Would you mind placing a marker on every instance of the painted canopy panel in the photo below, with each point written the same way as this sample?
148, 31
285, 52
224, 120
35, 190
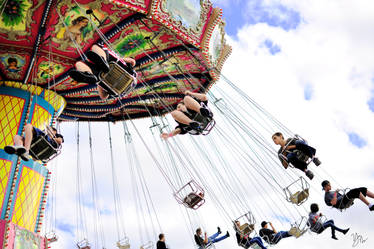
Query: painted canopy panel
170, 40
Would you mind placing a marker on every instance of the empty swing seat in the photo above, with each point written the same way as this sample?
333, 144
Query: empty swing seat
297, 192
51, 237
299, 197
246, 228
84, 244
117, 81
123, 243
41, 149
299, 227
193, 200
148, 245
296, 232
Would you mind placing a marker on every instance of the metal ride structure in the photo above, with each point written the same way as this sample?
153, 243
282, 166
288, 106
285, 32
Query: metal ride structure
174, 43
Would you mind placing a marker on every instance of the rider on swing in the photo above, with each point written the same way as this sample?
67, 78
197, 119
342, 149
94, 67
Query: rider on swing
287, 153
192, 104
89, 71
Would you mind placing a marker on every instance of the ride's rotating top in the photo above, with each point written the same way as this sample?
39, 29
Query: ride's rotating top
178, 45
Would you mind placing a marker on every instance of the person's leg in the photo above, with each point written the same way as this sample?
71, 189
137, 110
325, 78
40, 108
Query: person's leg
28, 136
280, 235
192, 104
369, 194
215, 240
98, 50
102, 93
181, 117
359, 193
258, 241
213, 237
83, 73
291, 158
330, 223
18, 140
82, 67
302, 146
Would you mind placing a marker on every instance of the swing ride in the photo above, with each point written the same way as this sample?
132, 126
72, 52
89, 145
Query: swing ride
178, 46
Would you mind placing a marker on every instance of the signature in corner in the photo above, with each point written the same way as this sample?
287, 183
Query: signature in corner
358, 239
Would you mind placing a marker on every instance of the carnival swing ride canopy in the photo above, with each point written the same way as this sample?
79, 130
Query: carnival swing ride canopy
177, 45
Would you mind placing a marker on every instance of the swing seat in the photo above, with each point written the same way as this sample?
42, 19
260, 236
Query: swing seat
84, 244
43, 150
51, 237
297, 232
299, 197
255, 246
348, 205
206, 124
123, 243
297, 192
246, 229
193, 200
118, 81
148, 245
190, 195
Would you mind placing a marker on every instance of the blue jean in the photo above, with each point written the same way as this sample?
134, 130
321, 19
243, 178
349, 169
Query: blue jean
280, 235
330, 223
214, 239
258, 241
304, 148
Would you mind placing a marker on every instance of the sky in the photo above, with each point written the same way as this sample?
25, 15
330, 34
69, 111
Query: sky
310, 64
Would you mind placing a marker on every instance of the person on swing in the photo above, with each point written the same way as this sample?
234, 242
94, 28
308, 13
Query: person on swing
202, 242
318, 227
339, 201
192, 104
23, 143
99, 58
287, 153
246, 241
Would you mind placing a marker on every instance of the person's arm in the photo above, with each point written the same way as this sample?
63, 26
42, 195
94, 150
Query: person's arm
205, 238
199, 96
283, 160
272, 227
335, 198
175, 132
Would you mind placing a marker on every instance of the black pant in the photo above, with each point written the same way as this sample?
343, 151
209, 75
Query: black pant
352, 194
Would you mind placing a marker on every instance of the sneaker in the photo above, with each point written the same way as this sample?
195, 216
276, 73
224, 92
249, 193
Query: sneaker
25, 156
334, 237
316, 161
309, 174
371, 208
346, 231
20, 150
227, 234
195, 125
10, 149
98, 60
85, 77
205, 112
219, 229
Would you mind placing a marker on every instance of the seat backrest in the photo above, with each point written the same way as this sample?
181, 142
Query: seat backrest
118, 80
41, 149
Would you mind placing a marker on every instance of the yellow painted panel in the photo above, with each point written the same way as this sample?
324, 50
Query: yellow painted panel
41, 117
5, 167
10, 117
28, 198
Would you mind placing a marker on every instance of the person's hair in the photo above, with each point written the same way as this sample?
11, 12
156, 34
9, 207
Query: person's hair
161, 236
314, 208
325, 183
59, 135
54, 129
11, 59
79, 19
277, 134
263, 224
198, 230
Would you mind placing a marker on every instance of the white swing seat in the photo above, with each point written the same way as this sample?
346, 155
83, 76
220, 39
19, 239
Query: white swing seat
297, 232
193, 200
297, 192
51, 237
43, 150
84, 244
148, 245
118, 81
123, 243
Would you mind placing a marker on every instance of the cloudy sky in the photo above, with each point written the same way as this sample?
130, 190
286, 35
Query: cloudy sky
310, 64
